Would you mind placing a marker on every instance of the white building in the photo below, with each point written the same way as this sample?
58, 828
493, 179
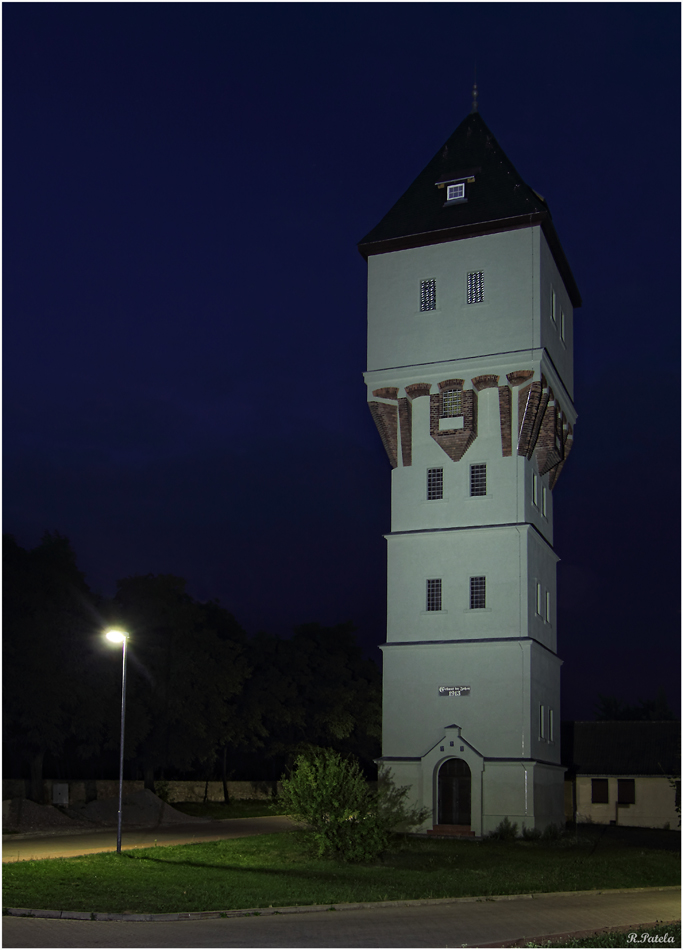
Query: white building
470, 383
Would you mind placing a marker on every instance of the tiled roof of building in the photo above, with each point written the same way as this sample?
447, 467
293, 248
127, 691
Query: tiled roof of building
497, 200
622, 748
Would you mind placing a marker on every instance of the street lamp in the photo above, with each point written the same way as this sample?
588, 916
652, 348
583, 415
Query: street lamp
120, 636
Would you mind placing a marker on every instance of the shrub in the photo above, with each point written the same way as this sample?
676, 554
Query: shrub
552, 833
531, 834
506, 831
344, 817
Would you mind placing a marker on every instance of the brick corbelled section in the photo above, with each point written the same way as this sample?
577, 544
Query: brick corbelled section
451, 384
549, 447
386, 420
529, 401
555, 472
519, 376
485, 382
405, 415
546, 396
505, 406
389, 392
418, 389
457, 442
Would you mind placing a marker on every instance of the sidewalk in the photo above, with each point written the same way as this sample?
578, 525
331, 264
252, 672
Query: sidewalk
33, 847
471, 922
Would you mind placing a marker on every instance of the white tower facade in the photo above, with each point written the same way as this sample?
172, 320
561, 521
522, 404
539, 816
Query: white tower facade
470, 383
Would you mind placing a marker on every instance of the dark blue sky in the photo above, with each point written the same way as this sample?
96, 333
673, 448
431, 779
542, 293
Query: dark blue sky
184, 304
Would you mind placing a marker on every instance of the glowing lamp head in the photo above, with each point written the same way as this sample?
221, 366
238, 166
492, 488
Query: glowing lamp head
116, 636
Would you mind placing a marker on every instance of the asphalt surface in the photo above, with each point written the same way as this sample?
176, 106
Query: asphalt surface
33, 847
458, 923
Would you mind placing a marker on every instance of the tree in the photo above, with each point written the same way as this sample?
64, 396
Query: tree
609, 708
344, 817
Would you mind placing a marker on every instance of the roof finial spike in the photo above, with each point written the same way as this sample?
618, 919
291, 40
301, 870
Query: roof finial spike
475, 106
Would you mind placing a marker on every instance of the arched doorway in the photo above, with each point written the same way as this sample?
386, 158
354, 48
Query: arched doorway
455, 793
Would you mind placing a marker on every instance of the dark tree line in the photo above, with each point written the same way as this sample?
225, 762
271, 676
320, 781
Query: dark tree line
204, 700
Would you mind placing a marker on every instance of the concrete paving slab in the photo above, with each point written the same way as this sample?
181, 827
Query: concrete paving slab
471, 923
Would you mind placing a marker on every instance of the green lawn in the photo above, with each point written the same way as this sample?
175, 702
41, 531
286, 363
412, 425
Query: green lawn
239, 808
664, 935
273, 870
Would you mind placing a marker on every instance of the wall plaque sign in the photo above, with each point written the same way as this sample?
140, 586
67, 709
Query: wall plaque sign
454, 690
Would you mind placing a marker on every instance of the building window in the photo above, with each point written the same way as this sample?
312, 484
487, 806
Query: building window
553, 306
434, 484
453, 192
539, 595
477, 593
545, 502
547, 606
562, 325
475, 287
551, 725
534, 489
451, 403
477, 479
541, 721
434, 594
626, 791
599, 791
428, 294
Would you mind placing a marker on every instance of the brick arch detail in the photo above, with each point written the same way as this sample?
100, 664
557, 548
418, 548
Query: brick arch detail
485, 382
519, 376
451, 384
388, 392
415, 390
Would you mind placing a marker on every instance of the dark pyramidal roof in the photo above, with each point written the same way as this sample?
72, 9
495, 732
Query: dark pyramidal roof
497, 200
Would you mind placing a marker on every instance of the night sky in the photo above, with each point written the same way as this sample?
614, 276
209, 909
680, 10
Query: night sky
184, 302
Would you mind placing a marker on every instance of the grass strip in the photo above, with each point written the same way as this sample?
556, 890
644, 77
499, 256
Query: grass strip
239, 808
274, 870
665, 935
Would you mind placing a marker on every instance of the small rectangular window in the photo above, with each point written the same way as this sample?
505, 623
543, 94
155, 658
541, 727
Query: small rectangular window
626, 791
451, 403
551, 725
434, 484
434, 594
428, 294
477, 480
545, 502
453, 192
562, 325
553, 306
599, 791
477, 593
547, 606
475, 287
541, 721
539, 595
534, 489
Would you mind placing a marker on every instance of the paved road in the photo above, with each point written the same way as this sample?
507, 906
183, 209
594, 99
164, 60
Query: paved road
27, 847
436, 924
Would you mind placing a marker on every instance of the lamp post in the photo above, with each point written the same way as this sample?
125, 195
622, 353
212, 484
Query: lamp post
120, 636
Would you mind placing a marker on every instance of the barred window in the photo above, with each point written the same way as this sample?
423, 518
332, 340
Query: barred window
455, 191
475, 287
434, 594
477, 593
434, 484
428, 294
599, 791
451, 403
478, 479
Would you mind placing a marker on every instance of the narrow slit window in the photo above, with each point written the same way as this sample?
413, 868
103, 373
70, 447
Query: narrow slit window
434, 484
541, 718
551, 725
534, 489
539, 594
545, 502
451, 403
475, 286
477, 480
547, 606
553, 305
434, 594
428, 294
477, 593
453, 192
562, 328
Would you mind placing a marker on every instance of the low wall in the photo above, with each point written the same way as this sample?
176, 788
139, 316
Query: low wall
171, 791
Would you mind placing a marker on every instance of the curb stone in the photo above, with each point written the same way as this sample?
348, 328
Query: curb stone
320, 908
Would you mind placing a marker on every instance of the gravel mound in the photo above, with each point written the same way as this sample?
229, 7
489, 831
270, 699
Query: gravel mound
22, 815
140, 808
